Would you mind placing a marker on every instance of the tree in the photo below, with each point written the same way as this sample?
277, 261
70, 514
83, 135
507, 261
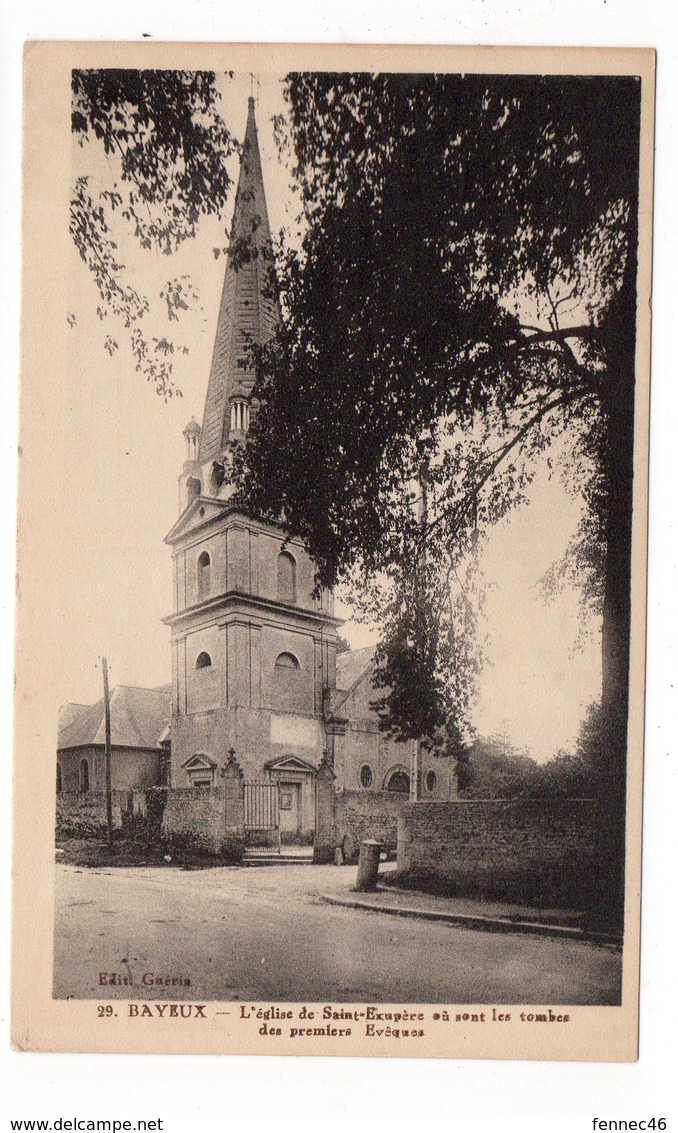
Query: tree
166, 150
493, 768
467, 283
430, 648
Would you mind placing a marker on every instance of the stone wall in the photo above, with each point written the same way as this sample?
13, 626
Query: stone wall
534, 851
360, 748
143, 812
84, 815
195, 817
366, 814
202, 820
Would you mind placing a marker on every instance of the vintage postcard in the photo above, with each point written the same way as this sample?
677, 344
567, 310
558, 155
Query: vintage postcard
332, 550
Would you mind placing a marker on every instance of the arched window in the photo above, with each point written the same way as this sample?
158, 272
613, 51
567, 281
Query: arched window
431, 781
286, 661
59, 785
240, 416
204, 661
287, 577
84, 776
366, 777
203, 573
398, 781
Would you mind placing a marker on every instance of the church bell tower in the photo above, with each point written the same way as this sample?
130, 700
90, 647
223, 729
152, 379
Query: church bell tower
253, 648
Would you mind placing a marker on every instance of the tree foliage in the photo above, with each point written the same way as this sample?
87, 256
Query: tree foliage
432, 202
430, 649
465, 293
490, 767
469, 246
165, 149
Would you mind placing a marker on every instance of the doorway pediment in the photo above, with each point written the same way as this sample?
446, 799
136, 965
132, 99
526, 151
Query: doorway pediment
200, 511
199, 762
291, 763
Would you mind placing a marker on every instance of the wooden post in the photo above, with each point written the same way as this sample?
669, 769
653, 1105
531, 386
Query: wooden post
107, 756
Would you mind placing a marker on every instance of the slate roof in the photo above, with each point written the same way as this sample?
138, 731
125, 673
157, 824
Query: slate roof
246, 313
69, 712
140, 718
351, 665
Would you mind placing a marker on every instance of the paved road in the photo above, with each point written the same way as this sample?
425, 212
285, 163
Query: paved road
259, 934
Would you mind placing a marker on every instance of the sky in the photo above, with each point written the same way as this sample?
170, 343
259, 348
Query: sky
121, 447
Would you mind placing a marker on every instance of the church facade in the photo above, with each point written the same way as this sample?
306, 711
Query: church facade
254, 648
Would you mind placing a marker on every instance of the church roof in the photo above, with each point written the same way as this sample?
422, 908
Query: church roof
69, 712
351, 666
139, 718
246, 313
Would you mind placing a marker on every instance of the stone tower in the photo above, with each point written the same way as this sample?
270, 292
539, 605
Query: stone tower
253, 649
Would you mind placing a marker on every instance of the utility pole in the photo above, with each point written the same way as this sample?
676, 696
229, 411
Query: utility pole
107, 755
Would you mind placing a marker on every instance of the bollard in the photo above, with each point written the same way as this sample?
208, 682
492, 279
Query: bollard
368, 865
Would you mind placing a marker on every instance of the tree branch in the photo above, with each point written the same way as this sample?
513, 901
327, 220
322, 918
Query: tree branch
461, 508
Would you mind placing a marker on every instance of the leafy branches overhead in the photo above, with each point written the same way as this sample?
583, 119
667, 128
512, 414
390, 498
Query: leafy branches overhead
463, 240
157, 163
464, 295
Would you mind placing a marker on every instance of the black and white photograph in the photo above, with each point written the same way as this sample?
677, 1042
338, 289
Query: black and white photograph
343, 541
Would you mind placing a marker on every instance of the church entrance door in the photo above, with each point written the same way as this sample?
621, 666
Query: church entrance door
295, 780
290, 808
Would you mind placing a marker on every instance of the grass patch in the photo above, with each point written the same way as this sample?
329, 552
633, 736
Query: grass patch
563, 886
130, 850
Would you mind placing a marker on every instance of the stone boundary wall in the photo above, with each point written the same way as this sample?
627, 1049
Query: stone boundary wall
531, 851
80, 815
144, 811
195, 816
360, 814
202, 820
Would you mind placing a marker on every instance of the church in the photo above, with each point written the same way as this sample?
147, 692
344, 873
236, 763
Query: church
254, 648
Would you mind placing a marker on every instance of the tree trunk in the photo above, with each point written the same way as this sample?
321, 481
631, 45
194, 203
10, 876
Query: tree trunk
619, 339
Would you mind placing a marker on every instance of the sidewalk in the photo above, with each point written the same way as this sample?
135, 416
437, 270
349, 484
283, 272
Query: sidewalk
465, 912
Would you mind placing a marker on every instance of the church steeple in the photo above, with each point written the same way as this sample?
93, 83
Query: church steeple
248, 312
253, 644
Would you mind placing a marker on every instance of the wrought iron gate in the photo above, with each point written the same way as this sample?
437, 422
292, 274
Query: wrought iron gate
262, 814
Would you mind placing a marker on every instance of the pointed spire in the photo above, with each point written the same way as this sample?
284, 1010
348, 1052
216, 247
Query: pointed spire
246, 313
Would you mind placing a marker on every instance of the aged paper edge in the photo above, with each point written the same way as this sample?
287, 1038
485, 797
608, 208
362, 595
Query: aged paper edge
39, 1022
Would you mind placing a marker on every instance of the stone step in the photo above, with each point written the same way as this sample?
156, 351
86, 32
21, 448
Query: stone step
274, 859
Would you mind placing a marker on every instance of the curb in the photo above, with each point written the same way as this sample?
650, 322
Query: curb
482, 924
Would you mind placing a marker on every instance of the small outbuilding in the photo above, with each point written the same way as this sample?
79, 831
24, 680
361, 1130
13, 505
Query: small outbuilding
140, 719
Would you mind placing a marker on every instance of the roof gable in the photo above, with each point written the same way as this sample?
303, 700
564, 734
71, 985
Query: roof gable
290, 763
201, 511
199, 762
139, 718
70, 712
352, 664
